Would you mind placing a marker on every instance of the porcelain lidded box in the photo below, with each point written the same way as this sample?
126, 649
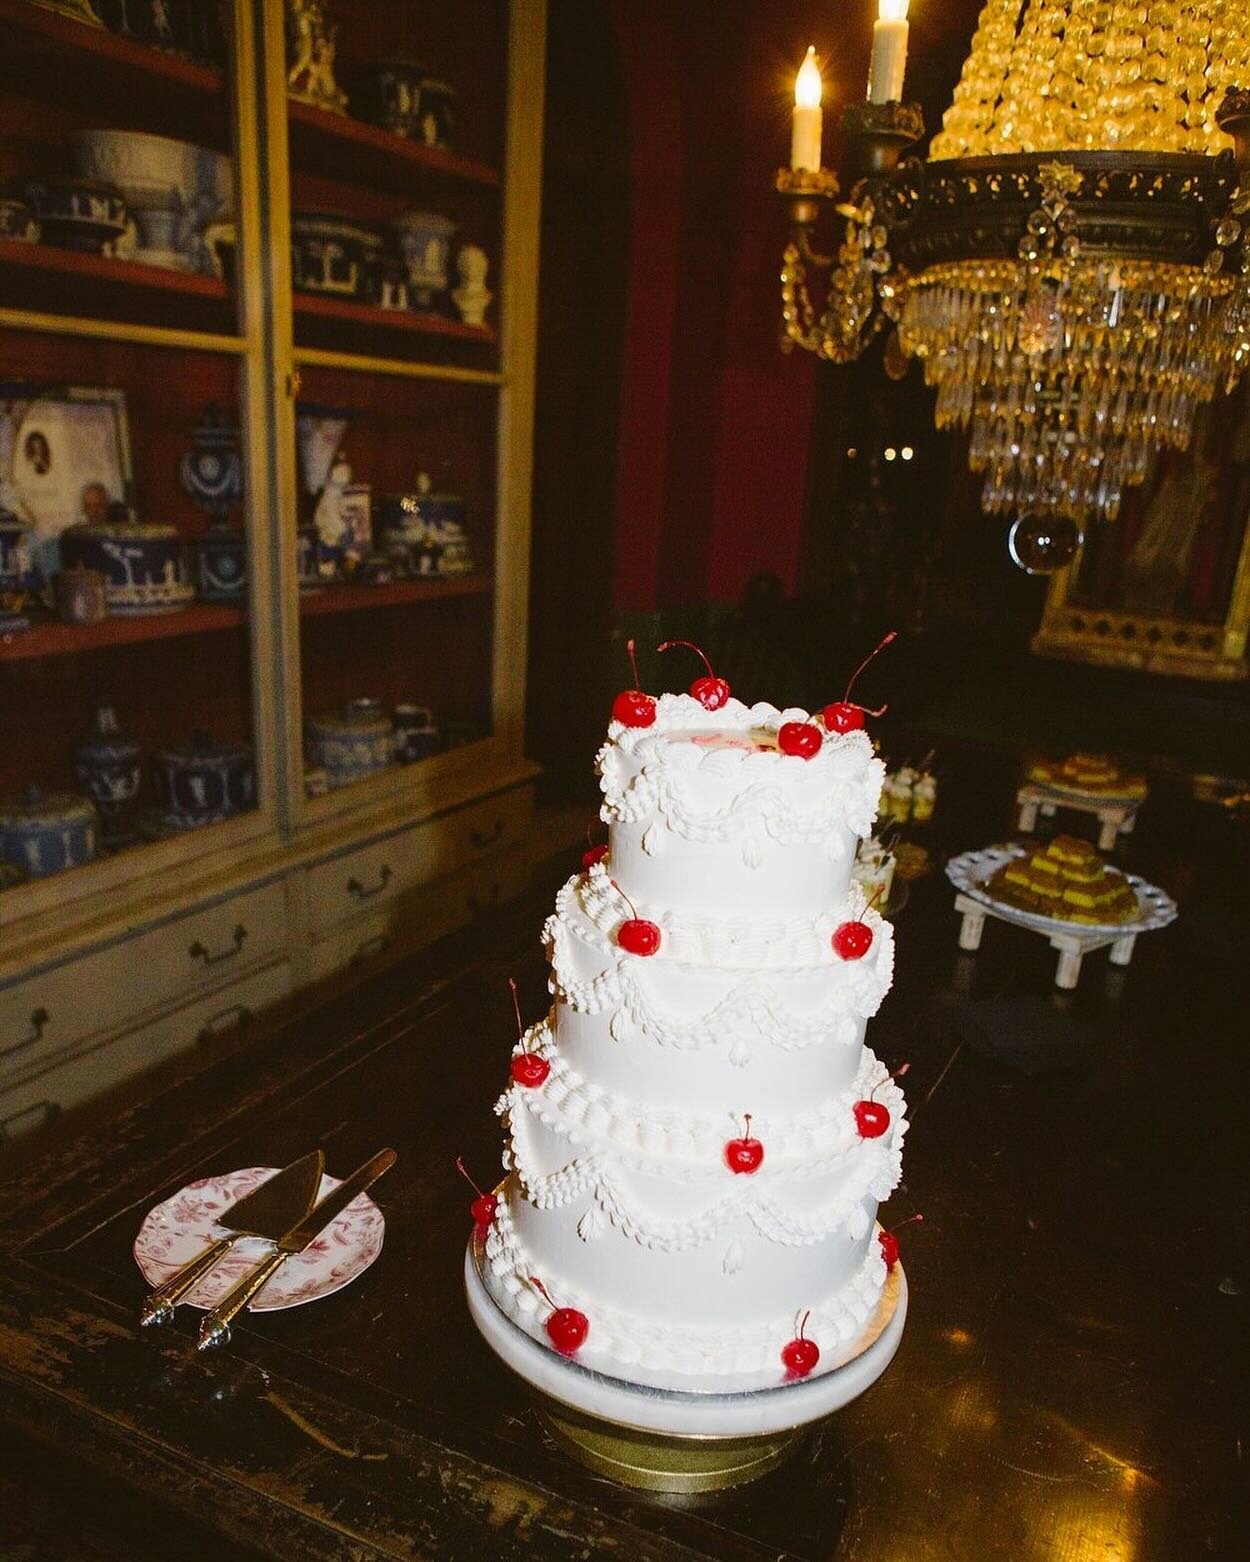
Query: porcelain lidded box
352, 743
405, 99
144, 567
203, 782
81, 214
108, 764
427, 529
416, 736
332, 254
46, 833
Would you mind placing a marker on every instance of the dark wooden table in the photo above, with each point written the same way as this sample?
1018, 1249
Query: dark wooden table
1069, 1385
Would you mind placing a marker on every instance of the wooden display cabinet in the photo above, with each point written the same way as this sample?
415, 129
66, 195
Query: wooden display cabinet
107, 968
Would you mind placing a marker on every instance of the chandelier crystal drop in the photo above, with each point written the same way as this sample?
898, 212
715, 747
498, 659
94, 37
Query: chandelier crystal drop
1070, 265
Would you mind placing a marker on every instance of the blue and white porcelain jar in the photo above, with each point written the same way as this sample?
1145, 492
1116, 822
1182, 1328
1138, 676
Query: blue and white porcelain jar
221, 564
144, 567
46, 833
203, 782
108, 764
352, 744
19, 573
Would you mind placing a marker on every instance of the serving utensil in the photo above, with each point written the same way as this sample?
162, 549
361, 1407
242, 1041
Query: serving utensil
267, 1211
215, 1326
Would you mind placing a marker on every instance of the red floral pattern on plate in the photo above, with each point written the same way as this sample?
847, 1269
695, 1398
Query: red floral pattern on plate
184, 1225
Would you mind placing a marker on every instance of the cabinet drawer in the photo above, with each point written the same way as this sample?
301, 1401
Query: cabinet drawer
51, 1011
468, 834
362, 881
360, 946
43, 1097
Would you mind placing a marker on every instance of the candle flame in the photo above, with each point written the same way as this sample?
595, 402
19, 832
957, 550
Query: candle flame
892, 10
807, 84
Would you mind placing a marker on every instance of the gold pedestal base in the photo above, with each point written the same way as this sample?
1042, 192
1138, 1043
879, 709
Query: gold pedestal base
653, 1462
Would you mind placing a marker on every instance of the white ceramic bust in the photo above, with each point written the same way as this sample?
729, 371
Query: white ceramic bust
472, 298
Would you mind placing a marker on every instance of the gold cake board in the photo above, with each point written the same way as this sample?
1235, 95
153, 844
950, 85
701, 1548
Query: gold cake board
668, 1441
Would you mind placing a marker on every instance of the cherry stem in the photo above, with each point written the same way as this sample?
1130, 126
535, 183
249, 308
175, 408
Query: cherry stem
542, 1290
896, 1074
902, 1223
590, 840
516, 1006
633, 910
690, 646
460, 1167
893, 635
746, 1117
803, 1325
633, 662
875, 895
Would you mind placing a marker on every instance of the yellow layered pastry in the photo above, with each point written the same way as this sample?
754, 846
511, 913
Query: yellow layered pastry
1094, 775
1067, 880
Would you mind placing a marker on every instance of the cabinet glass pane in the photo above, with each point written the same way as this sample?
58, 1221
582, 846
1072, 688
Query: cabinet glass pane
125, 667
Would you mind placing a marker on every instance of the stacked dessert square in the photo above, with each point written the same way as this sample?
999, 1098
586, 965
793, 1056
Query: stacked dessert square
697, 1137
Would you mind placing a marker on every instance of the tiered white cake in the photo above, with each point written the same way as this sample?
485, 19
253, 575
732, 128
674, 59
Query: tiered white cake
646, 1229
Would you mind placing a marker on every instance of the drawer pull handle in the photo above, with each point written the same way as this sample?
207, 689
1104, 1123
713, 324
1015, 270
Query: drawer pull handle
38, 1024
198, 951
479, 908
480, 839
371, 947
361, 891
229, 1019
9, 1129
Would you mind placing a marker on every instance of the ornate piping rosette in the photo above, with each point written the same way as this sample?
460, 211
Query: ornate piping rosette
626, 1339
730, 781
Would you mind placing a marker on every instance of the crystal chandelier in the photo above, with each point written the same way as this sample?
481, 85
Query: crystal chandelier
1070, 264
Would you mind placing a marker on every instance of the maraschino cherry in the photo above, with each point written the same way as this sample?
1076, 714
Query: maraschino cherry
594, 854
800, 1355
746, 1154
852, 940
889, 1242
801, 738
872, 1118
631, 707
483, 1207
566, 1327
710, 691
842, 715
636, 935
527, 1068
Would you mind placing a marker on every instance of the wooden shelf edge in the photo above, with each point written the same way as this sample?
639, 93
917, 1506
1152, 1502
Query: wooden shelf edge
18, 17
317, 306
345, 130
21, 256
356, 599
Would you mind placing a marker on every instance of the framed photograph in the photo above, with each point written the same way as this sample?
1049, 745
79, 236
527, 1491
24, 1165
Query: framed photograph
55, 441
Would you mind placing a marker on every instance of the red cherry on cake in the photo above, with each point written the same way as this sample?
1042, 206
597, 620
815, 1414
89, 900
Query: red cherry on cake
633, 708
871, 1118
852, 940
843, 715
636, 936
800, 738
593, 857
710, 691
800, 1355
889, 1242
529, 1069
567, 1330
746, 1154
483, 1207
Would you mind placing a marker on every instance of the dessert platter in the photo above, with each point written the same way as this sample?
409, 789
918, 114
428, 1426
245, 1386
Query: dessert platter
1089, 783
684, 1250
1088, 905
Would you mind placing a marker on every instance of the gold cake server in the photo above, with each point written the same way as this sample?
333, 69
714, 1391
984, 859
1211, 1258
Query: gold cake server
267, 1211
215, 1326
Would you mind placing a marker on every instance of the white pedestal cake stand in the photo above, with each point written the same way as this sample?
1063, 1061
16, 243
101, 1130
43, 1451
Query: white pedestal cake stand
665, 1440
1073, 940
1116, 815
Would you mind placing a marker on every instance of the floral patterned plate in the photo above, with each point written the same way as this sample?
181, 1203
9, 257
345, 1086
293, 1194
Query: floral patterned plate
185, 1224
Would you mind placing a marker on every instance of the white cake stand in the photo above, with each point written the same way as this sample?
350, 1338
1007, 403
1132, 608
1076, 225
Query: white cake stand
666, 1440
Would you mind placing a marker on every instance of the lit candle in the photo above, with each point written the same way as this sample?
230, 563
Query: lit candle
889, 52
806, 124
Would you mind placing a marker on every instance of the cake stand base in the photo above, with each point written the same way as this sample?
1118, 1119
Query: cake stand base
673, 1441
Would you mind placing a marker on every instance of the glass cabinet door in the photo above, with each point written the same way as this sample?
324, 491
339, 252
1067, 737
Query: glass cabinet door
127, 544
395, 192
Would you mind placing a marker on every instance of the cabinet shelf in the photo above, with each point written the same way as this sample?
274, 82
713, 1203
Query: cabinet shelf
316, 306
56, 639
339, 147
35, 31
49, 261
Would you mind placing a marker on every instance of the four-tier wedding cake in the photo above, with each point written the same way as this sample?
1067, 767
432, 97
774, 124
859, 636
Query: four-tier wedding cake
697, 1136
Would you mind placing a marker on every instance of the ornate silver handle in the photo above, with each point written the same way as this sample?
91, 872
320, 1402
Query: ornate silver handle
366, 892
159, 1306
39, 1019
481, 838
215, 1328
198, 951
229, 1019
